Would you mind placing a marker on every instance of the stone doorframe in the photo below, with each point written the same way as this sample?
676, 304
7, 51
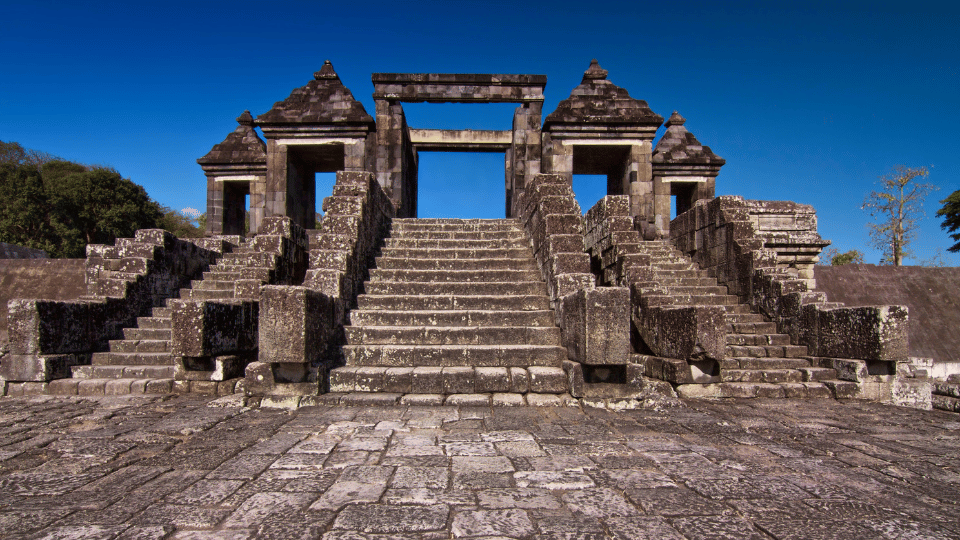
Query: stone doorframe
397, 144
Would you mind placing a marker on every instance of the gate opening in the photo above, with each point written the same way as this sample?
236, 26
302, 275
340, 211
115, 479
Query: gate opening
465, 185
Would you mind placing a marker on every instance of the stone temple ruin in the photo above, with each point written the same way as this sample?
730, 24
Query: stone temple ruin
616, 307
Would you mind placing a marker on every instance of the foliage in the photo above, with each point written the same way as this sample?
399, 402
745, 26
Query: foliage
833, 257
60, 206
24, 214
182, 224
12, 153
898, 206
951, 219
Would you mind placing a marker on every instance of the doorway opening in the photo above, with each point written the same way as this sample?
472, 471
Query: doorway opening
324, 182
588, 189
467, 185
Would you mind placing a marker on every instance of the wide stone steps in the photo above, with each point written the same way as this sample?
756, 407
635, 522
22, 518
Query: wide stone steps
454, 264
455, 355
525, 302
463, 289
452, 335
452, 318
453, 308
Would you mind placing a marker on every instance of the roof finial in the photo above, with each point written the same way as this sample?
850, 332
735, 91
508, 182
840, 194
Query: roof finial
594, 72
675, 119
326, 72
245, 119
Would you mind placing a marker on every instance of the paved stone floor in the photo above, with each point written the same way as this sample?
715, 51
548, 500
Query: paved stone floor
189, 467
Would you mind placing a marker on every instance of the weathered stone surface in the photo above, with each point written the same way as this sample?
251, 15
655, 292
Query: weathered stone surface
596, 325
206, 328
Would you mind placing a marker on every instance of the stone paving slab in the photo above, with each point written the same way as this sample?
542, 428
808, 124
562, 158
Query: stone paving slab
189, 467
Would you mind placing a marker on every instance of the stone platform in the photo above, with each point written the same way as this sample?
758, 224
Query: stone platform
192, 467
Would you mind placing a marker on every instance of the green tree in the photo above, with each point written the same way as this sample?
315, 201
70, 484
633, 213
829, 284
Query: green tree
833, 257
898, 206
951, 219
180, 224
24, 214
96, 206
13, 153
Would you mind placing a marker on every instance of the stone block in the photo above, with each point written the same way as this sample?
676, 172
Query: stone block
574, 372
208, 328
427, 380
596, 325
39, 368
297, 324
508, 400
519, 380
691, 332
547, 380
459, 380
492, 379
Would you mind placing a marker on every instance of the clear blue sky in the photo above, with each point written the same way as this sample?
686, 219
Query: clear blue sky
807, 101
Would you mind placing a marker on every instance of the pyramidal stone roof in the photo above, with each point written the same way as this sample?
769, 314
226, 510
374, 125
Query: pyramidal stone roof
679, 146
598, 101
241, 146
324, 100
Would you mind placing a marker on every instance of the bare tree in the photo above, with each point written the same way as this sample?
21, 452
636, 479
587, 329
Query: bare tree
898, 207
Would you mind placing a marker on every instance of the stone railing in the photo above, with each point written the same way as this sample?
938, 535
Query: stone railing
551, 216
764, 252
123, 282
214, 340
301, 328
678, 332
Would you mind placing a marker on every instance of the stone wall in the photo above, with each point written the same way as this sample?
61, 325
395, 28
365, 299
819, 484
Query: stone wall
123, 282
765, 252
301, 327
932, 296
47, 279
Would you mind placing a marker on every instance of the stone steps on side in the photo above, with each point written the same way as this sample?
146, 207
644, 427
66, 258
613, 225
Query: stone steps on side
452, 335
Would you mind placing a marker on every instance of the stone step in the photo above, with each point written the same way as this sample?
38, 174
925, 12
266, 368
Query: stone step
698, 290
811, 374
222, 276
451, 318
457, 253
162, 312
110, 387
744, 318
767, 351
458, 288
704, 300
438, 276
446, 265
761, 375
763, 363
460, 235
205, 294
452, 335
147, 334
454, 355
154, 322
758, 339
122, 372
530, 302
398, 228
695, 281
254, 258
790, 390
131, 359
448, 243
212, 285
449, 380
666, 277
143, 346
748, 327
737, 309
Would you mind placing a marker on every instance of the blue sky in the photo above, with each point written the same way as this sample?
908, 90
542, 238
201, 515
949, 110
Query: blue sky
807, 101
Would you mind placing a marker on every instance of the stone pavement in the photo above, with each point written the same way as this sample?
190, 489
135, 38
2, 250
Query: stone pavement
188, 467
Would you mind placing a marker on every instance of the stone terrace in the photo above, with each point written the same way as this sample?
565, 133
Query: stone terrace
188, 467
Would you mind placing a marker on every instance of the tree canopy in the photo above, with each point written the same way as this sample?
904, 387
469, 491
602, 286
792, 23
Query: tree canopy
951, 219
833, 257
61, 206
898, 206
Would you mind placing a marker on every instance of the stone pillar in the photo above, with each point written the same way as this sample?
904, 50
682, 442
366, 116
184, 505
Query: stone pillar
527, 148
392, 141
275, 196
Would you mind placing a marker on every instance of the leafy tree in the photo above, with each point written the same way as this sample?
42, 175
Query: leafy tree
24, 214
96, 207
951, 219
898, 206
13, 153
833, 257
181, 224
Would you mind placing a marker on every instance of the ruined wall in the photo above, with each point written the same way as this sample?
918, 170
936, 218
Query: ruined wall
765, 252
931, 294
48, 279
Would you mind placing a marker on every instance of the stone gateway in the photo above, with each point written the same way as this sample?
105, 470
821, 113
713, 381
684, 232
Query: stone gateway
625, 305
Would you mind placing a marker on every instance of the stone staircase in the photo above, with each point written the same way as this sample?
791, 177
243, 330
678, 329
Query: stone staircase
141, 362
455, 312
758, 361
